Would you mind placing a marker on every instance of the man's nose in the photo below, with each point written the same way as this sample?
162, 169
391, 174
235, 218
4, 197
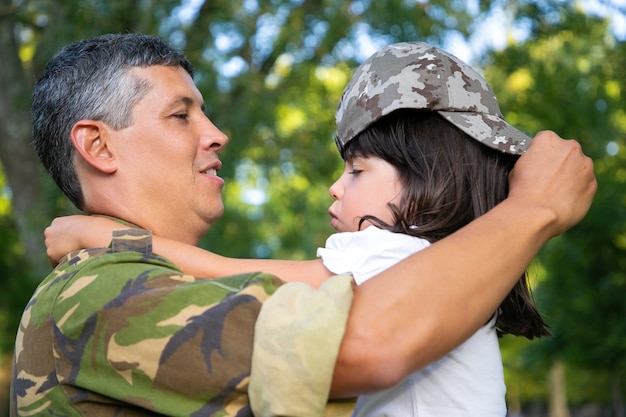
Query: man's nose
212, 137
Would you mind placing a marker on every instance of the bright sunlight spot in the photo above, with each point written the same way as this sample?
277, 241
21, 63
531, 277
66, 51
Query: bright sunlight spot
612, 148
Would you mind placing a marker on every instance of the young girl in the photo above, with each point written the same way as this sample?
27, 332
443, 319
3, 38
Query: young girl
426, 151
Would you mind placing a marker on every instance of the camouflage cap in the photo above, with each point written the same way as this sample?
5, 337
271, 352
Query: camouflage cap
416, 75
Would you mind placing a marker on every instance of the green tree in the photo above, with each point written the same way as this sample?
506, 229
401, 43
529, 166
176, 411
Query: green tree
259, 64
569, 77
271, 73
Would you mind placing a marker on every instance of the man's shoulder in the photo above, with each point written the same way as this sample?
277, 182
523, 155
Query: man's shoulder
128, 264
128, 274
136, 315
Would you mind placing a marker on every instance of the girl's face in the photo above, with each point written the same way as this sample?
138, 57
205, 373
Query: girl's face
365, 187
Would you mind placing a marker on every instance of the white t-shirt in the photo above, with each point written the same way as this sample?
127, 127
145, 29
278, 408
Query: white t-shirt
468, 382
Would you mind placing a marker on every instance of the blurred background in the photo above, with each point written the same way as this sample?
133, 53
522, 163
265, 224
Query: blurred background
272, 71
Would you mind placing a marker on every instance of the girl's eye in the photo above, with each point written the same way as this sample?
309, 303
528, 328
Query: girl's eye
355, 171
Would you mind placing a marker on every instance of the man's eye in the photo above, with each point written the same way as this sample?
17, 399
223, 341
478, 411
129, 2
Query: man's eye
182, 116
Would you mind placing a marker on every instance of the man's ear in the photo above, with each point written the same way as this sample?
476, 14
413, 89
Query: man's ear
91, 142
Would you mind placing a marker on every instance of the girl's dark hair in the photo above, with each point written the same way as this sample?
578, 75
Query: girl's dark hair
448, 180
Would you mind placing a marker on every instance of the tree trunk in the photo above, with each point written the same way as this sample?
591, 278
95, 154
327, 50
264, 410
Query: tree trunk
18, 158
616, 396
558, 390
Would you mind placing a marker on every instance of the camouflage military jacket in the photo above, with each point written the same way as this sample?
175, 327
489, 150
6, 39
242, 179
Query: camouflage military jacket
123, 332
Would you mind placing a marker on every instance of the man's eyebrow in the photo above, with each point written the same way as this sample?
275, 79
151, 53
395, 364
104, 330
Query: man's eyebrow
187, 101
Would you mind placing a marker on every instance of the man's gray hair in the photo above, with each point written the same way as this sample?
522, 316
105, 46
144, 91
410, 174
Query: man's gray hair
90, 79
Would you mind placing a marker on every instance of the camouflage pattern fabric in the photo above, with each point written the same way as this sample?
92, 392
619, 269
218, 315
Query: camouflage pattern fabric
416, 75
298, 334
125, 333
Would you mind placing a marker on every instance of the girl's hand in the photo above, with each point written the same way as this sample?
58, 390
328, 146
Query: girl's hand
71, 233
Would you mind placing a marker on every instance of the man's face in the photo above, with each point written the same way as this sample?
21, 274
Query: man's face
168, 157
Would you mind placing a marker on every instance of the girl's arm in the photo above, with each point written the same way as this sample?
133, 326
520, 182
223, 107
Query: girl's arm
196, 261
70, 233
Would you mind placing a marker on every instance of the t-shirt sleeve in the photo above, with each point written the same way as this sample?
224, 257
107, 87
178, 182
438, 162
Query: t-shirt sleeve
296, 343
368, 252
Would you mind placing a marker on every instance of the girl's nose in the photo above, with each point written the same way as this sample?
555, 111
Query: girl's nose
335, 190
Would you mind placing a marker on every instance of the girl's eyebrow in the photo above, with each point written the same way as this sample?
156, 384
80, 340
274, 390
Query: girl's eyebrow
358, 158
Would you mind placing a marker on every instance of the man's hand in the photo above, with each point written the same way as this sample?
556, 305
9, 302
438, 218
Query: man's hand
555, 174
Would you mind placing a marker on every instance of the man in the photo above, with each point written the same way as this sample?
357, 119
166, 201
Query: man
120, 126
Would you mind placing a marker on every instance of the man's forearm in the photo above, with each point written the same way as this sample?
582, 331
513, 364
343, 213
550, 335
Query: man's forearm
425, 306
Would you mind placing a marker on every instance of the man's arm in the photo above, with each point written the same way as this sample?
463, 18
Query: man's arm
420, 309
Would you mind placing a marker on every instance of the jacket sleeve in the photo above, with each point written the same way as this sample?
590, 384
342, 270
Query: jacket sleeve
296, 342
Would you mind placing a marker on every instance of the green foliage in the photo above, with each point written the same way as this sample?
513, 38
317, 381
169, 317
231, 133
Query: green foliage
570, 79
15, 281
17, 287
279, 69
525, 380
271, 73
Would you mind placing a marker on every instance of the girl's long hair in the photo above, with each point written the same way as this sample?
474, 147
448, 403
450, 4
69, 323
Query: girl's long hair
448, 179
